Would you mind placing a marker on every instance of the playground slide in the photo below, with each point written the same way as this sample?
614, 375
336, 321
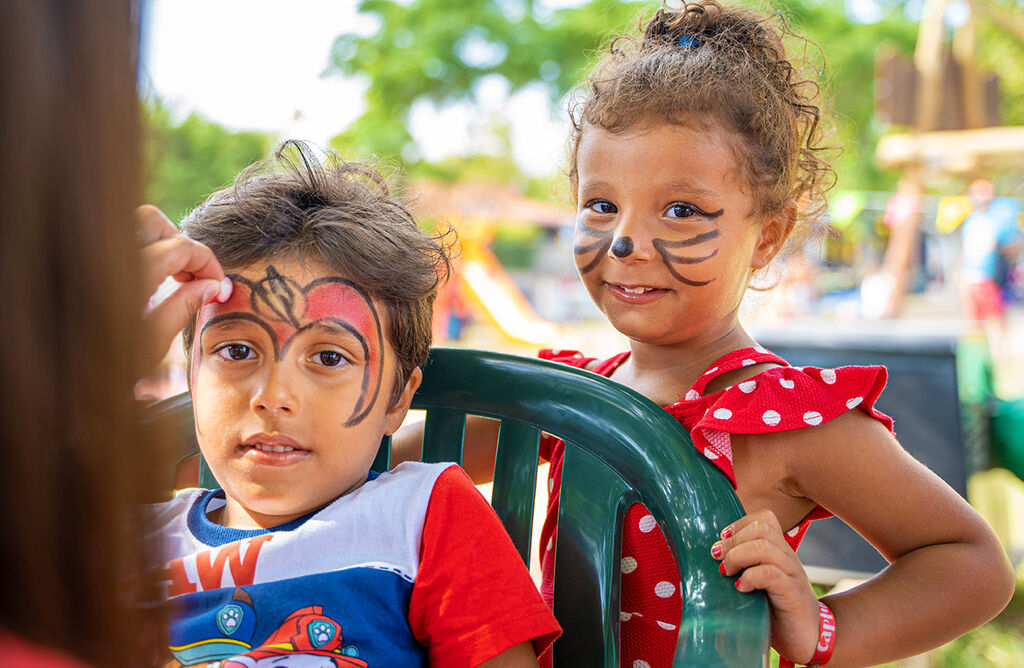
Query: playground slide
493, 294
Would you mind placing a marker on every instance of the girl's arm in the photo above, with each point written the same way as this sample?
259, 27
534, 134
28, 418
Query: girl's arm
947, 574
479, 446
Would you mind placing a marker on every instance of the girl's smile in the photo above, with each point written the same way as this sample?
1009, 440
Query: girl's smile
636, 294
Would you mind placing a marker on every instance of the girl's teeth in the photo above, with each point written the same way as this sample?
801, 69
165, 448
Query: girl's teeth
635, 291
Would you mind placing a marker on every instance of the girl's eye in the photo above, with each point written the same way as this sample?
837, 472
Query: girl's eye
680, 210
601, 206
329, 358
237, 351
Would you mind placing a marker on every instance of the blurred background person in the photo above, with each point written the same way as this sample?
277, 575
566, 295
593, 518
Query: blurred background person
990, 240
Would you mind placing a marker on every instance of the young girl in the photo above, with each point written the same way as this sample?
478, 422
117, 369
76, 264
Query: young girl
691, 149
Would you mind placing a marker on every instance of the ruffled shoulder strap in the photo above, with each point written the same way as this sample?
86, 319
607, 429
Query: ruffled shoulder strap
577, 359
570, 357
786, 398
730, 362
778, 399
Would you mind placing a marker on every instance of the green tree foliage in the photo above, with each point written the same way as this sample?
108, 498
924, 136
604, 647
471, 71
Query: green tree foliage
848, 49
1001, 50
438, 50
186, 161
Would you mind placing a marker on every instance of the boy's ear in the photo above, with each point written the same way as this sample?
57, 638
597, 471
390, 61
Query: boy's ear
396, 414
774, 232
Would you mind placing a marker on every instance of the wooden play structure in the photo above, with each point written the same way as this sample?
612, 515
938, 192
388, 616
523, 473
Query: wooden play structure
950, 110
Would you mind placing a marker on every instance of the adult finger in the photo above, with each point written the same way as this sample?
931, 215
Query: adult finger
164, 320
151, 225
180, 258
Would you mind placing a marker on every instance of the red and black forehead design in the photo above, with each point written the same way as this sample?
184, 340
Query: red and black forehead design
284, 309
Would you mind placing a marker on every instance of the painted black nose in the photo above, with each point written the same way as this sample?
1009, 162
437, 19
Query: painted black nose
622, 247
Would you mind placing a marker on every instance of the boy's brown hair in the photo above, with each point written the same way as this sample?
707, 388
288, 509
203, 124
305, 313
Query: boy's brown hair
342, 215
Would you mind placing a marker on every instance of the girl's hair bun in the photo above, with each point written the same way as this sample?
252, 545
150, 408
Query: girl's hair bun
707, 24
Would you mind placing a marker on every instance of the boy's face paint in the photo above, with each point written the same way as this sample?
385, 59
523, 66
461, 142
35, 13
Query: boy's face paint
285, 309
674, 193
290, 381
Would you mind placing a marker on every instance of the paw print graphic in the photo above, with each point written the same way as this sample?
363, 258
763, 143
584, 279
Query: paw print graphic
229, 618
321, 632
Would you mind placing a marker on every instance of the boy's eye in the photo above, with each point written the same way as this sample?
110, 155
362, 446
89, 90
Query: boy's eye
237, 351
601, 206
329, 358
680, 210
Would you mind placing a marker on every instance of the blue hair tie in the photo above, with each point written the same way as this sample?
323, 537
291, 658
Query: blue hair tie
689, 41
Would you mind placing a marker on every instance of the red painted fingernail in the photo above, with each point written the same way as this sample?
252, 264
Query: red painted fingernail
726, 532
716, 550
737, 583
721, 568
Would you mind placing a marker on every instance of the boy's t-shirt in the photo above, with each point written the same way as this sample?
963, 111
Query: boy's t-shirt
411, 568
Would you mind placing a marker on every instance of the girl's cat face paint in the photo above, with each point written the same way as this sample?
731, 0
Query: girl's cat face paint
592, 243
664, 238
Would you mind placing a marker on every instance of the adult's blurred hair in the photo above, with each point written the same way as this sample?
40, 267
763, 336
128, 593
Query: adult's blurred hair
72, 468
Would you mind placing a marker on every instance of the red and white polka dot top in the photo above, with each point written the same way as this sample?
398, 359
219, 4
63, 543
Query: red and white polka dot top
782, 398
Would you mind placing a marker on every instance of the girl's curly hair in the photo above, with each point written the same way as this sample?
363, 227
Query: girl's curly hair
715, 66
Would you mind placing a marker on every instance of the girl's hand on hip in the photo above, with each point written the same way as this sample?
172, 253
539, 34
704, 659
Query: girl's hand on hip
754, 548
166, 253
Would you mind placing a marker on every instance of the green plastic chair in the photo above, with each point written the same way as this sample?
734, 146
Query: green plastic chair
620, 448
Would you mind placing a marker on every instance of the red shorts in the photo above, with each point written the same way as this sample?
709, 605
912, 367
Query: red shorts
983, 301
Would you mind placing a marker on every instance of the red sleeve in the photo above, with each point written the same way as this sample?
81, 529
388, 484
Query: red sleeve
473, 597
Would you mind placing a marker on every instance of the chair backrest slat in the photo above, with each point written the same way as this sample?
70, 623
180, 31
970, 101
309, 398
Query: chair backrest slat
592, 503
443, 434
382, 462
515, 481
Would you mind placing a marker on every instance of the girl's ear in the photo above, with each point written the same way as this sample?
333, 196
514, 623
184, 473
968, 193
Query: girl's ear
774, 231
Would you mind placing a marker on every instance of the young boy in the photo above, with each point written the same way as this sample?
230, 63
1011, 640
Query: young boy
294, 380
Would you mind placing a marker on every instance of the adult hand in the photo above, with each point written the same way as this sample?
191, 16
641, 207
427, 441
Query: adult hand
166, 253
754, 548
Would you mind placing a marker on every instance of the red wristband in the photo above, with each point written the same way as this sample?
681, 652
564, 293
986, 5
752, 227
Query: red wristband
826, 639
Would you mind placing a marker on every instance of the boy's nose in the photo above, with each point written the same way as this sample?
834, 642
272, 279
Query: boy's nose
275, 396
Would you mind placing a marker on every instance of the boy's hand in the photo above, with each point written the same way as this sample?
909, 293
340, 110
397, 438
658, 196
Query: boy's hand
754, 548
166, 253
